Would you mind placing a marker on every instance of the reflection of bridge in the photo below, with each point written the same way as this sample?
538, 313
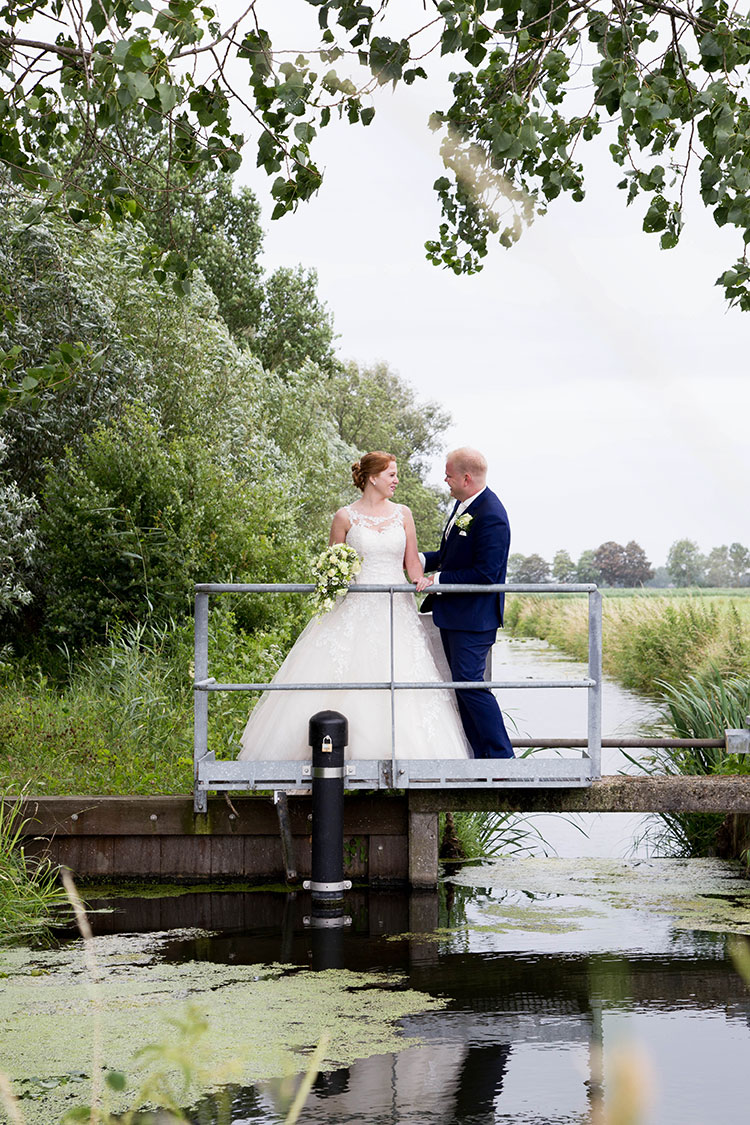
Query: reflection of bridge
268, 927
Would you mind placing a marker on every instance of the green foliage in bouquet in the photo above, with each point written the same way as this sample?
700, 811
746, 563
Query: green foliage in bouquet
334, 569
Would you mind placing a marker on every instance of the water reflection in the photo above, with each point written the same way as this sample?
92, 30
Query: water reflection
528, 1031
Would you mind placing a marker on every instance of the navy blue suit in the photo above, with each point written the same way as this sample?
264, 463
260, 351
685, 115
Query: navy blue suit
468, 623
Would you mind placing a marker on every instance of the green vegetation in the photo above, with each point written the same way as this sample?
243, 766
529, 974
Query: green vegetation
648, 638
662, 86
174, 1033
477, 835
617, 567
30, 894
699, 707
150, 439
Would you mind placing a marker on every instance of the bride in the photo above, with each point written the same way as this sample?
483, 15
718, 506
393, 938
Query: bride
351, 644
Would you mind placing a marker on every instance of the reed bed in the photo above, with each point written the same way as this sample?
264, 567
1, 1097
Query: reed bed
647, 639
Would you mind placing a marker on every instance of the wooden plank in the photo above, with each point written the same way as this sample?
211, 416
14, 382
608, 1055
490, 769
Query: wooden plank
186, 856
85, 857
227, 856
262, 857
388, 858
173, 816
136, 855
423, 848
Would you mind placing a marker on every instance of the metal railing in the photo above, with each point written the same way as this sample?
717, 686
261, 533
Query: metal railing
397, 772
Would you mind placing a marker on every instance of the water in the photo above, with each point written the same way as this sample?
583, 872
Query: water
547, 991
556, 712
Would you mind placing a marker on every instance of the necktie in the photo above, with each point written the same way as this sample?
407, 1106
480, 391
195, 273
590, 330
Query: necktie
451, 520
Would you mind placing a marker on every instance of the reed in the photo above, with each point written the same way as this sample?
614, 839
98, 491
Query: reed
30, 894
647, 639
699, 707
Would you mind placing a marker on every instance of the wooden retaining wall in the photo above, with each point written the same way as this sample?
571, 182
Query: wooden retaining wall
388, 837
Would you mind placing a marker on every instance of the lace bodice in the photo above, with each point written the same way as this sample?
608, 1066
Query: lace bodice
380, 543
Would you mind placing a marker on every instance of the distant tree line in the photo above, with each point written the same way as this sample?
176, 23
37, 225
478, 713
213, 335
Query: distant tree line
612, 564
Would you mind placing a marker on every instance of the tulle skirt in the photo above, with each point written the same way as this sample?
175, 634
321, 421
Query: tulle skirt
351, 645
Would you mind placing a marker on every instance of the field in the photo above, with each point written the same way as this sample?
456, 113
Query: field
650, 637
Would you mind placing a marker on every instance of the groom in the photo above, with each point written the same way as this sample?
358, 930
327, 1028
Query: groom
474, 549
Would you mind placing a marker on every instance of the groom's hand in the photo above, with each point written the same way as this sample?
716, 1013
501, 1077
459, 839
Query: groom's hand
423, 582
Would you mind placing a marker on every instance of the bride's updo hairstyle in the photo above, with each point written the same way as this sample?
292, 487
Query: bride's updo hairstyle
369, 466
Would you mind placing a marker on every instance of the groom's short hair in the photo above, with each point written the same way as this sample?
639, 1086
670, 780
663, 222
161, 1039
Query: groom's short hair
468, 460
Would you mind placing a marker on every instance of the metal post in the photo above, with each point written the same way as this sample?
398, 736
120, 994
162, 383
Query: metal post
200, 699
329, 734
285, 834
595, 692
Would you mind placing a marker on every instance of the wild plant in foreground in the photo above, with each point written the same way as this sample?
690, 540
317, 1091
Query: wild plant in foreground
30, 894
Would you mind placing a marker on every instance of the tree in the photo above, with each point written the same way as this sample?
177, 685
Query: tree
718, 567
563, 567
666, 88
609, 559
527, 568
293, 324
739, 561
18, 540
374, 408
638, 570
685, 563
586, 568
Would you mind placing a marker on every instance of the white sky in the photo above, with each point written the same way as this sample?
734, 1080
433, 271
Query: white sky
604, 379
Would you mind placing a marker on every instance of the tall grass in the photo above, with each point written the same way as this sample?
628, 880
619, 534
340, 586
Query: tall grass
699, 707
119, 718
646, 639
30, 894
482, 835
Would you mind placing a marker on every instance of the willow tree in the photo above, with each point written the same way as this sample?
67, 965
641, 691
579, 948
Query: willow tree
664, 85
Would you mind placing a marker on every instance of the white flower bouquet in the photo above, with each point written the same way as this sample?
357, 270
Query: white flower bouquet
333, 569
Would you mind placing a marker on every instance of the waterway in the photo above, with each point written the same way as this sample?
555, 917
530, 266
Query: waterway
561, 713
552, 990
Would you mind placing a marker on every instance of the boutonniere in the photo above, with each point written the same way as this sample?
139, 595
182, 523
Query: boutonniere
464, 522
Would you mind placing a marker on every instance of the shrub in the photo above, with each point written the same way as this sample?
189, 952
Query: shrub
131, 522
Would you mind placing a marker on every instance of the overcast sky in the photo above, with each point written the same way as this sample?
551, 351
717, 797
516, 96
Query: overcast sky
604, 379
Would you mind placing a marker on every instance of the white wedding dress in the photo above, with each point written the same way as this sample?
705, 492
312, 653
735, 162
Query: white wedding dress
351, 645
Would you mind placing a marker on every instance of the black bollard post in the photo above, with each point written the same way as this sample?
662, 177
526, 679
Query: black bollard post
329, 734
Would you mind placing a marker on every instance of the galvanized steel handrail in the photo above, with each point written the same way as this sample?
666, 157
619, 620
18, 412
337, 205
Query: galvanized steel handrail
203, 684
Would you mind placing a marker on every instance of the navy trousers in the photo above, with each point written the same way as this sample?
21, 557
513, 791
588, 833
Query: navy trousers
481, 717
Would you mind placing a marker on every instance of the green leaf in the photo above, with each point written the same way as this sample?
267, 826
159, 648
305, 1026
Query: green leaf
116, 1080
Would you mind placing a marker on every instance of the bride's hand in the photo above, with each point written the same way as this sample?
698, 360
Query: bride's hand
424, 582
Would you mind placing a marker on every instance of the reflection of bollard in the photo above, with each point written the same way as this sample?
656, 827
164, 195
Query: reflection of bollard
329, 733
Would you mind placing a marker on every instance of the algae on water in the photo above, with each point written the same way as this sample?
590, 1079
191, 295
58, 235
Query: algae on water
696, 894
263, 1021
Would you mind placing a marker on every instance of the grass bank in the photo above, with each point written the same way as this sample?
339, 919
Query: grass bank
647, 636
119, 719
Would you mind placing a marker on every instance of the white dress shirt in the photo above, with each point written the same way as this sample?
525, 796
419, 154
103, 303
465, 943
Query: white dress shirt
448, 527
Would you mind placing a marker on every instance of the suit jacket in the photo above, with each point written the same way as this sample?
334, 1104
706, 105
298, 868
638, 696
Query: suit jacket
478, 556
